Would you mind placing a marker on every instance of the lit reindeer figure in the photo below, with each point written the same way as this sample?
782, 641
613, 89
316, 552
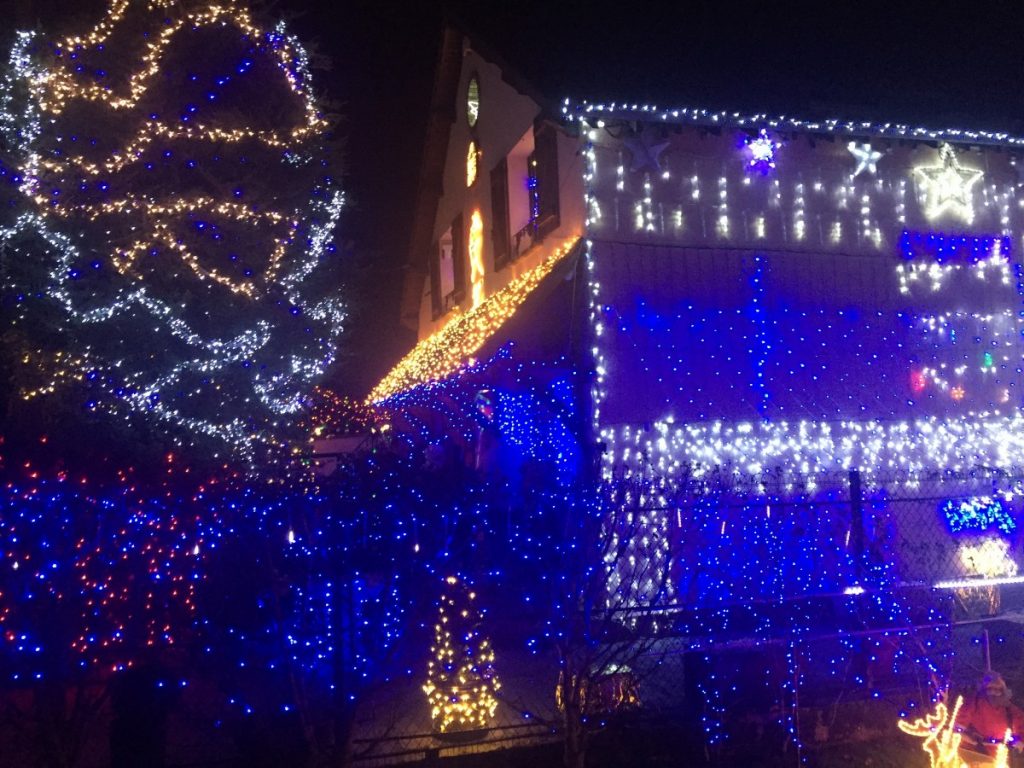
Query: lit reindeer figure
942, 740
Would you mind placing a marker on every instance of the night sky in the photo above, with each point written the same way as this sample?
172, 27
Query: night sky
947, 64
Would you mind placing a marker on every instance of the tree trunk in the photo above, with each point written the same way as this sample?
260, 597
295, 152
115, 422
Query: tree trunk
343, 722
574, 754
49, 703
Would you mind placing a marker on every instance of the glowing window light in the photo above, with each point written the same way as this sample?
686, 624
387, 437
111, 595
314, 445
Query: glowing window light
473, 101
472, 164
451, 347
476, 257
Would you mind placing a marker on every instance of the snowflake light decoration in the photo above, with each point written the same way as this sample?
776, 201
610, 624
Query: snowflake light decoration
761, 152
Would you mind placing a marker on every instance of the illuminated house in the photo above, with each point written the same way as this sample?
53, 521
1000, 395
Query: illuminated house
812, 296
716, 292
501, 207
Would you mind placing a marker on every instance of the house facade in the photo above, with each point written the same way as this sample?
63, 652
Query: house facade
720, 300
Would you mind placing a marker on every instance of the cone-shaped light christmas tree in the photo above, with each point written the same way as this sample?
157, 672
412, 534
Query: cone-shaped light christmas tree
461, 682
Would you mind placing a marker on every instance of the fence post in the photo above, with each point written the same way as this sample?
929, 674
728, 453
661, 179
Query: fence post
857, 523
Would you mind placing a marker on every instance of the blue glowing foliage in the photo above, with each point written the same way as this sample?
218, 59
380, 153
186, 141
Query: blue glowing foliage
517, 418
932, 332
977, 514
92, 579
945, 249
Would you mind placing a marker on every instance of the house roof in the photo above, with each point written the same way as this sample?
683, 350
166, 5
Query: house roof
457, 342
583, 110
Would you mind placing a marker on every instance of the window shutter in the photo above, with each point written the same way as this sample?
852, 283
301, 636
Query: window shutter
459, 256
545, 139
499, 214
436, 299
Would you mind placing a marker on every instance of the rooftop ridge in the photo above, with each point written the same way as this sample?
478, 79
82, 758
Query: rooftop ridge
581, 110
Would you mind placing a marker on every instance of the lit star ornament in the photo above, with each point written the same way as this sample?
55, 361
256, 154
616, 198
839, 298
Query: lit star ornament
761, 152
866, 157
646, 151
947, 187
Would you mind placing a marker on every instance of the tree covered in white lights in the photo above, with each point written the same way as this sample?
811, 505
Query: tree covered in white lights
169, 253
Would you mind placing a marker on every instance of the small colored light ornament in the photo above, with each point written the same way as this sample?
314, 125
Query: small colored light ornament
761, 152
987, 361
918, 381
485, 404
957, 393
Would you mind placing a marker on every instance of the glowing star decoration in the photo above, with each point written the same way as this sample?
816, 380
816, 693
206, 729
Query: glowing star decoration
476, 257
866, 157
130, 227
942, 739
461, 682
947, 188
761, 152
646, 151
472, 164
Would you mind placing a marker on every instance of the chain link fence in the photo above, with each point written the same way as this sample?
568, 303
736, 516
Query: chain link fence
800, 611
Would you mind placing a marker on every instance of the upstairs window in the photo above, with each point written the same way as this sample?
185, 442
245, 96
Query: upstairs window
448, 271
446, 255
473, 101
529, 209
544, 179
499, 215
